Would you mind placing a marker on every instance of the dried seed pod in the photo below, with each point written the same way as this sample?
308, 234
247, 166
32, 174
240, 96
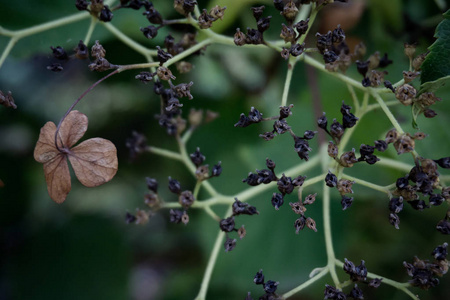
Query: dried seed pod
311, 224
410, 50
427, 99
217, 12
239, 38
164, 73
405, 94
391, 136
97, 50
332, 150
310, 199
418, 60
344, 186
404, 144
347, 159
409, 76
297, 207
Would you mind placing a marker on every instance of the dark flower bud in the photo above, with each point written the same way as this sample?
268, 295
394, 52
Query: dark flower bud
59, 53
440, 252
129, 218
391, 136
239, 38
197, 157
279, 4
152, 184
106, 14
384, 61
205, 20
336, 129
366, 82
81, 5
388, 85
217, 12
338, 35
444, 162
356, 293
309, 134
173, 104
270, 286
258, 11
331, 179
153, 16
324, 42
429, 113
344, 186
299, 180
345, 109
81, 51
381, 145
244, 121
418, 204
163, 56
55, 67
253, 37
443, 226
402, 182
347, 159
349, 120
134, 4
362, 67
366, 150
183, 90
346, 202
285, 185
289, 11
281, 126
164, 73
241, 208
270, 164
396, 205
436, 199
229, 244
174, 186
329, 56
375, 283
145, 77
285, 53
349, 267
332, 150
265, 176
263, 24
252, 179
297, 49
330, 292
259, 277
254, 115
285, 111
186, 199
277, 200
227, 225
267, 135
299, 224
176, 215
158, 88
217, 170
322, 122
297, 207
302, 26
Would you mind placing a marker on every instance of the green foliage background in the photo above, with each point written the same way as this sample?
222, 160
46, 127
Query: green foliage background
83, 248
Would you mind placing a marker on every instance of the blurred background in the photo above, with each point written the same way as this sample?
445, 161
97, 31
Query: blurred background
83, 249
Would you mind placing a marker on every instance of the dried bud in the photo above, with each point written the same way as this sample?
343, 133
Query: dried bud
404, 144
409, 76
347, 159
97, 50
184, 67
297, 207
100, 65
290, 11
391, 136
410, 50
217, 12
164, 73
310, 199
332, 150
427, 99
344, 186
287, 34
417, 62
239, 38
142, 217
311, 224
429, 113
186, 199
242, 232
7, 100
81, 51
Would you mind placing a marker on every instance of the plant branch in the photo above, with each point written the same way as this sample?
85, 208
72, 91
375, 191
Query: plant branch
387, 111
307, 283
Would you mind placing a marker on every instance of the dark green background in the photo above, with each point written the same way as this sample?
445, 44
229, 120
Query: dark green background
83, 249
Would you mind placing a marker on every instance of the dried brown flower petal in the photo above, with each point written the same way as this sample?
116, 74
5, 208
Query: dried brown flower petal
94, 161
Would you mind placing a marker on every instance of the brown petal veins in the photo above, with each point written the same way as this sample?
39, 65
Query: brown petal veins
57, 176
94, 161
72, 128
45, 149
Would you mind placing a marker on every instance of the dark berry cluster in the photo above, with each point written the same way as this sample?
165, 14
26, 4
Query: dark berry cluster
227, 225
280, 126
96, 8
60, 56
337, 129
254, 36
285, 184
202, 172
422, 180
299, 208
269, 286
424, 272
368, 69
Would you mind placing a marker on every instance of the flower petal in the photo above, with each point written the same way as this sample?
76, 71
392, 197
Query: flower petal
72, 129
45, 149
94, 161
57, 176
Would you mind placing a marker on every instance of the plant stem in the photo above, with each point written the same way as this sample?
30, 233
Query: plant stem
128, 41
367, 184
164, 152
387, 111
7, 50
211, 263
306, 283
90, 30
287, 82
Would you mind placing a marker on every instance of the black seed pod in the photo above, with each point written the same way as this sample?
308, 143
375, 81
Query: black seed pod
129, 218
444, 162
279, 4
281, 126
299, 224
277, 200
331, 179
263, 24
336, 129
152, 184
346, 202
259, 277
270, 286
258, 11
106, 14
174, 186
176, 215
252, 179
243, 121
197, 157
402, 182
253, 36
270, 164
217, 170
302, 26
322, 122
349, 120
362, 67
254, 115
297, 49
381, 145
440, 252
59, 53
227, 225
153, 16
149, 31
396, 205
229, 244
285, 185
436, 199
81, 4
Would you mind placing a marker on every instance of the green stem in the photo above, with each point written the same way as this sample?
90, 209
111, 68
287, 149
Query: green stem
211, 263
128, 41
376, 105
7, 50
287, 82
164, 152
354, 97
88, 36
387, 111
366, 183
306, 283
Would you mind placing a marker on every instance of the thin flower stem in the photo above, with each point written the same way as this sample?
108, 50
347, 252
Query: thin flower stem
211, 263
198, 184
354, 97
91, 28
376, 105
306, 283
128, 41
187, 135
387, 111
164, 153
287, 82
366, 183
7, 50
211, 213
394, 164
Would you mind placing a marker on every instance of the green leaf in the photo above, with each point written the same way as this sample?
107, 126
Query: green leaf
436, 66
